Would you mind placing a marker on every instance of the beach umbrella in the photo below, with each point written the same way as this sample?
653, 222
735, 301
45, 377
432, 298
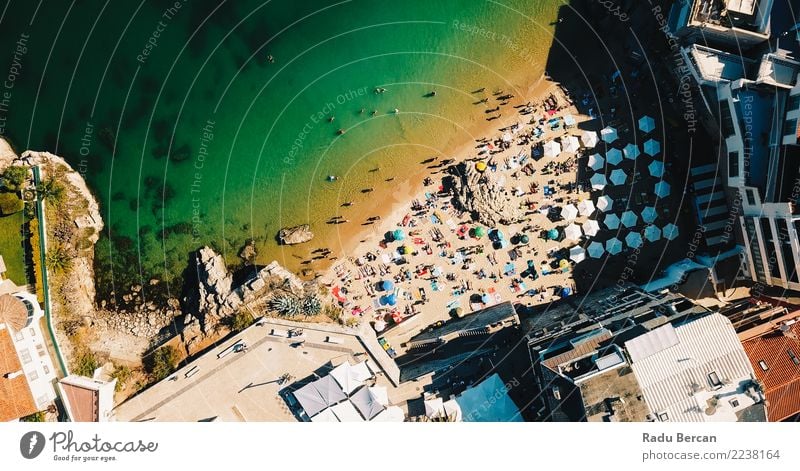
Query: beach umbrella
485, 299
586, 207
614, 246
589, 139
618, 176
629, 219
652, 147
571, 144
649, 214
398, 234
480, 166
391, 299
611, 221
478, 232
605, 203
596, 161
507, 137
634, 240
652, 233
656, 168
613, 156
569, 120
524, 239
662, 189
577, 254
631, 151
591, 228
596, 250
646, 124
552, 234
569, 212
670, 231
387, 285
551, 148
405, 250
573, 232
598, 181
609, 134
563, 263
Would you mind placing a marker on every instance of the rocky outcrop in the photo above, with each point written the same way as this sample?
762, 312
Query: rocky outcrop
295, 235
484, 197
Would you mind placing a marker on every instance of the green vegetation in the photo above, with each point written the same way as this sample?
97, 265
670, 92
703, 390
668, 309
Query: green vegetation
14, 177
84, 363
162, 362
10, 203
36, 258
58, 258
12, 247
122, 374
52, 191
35, 417
240, 321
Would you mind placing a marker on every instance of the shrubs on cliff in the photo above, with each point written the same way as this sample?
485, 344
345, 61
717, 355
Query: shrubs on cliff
10, 203
14, 177
162, 362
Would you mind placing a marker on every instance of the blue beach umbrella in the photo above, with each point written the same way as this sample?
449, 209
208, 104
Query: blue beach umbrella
609, 134
552, 234
596, 162
629, 219
485, 299
387, 285
649, 214
618, 176
661, 189
596, 250
398, 234
652, 233
631, 151
614, 246
656, 168
670, 231
611, 221
633, 239
614, 156
652, 147
598, 181
646, 124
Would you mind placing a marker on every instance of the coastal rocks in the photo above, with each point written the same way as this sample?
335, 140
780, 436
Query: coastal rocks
295, 235
214, 284
249, 252
484, 197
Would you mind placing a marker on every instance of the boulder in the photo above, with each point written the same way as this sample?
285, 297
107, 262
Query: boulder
295, 235
483, 197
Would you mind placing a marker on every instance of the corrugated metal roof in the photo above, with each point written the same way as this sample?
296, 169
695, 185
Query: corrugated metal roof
652, 342
669, 377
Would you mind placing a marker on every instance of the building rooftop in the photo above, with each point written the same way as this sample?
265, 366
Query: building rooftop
714, 65
693, 371
615, 396
775, 357
480, 319
16, 399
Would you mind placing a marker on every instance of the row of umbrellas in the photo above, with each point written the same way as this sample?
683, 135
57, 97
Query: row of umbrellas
646, 124
614, 246
631, 151
619, 177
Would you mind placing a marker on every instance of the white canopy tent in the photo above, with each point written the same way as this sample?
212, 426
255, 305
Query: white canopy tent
390, 414
325, 416
346, 377
367, 403
346, 412
318, 395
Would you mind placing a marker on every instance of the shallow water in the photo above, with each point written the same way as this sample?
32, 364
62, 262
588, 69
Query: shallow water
189, 135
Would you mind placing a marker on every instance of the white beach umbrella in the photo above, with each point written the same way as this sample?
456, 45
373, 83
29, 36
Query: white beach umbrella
618, 176
571, 144
573, 232
552, 149
629, 219
614, 246
569, 212
611, 221
569, 120
656, 168
586, 207
609, 134
661, 189
596, 250
577, 254
591, 228
646, 124
589, 139
634, 240
670, 231
613, 156
598, 181
605, 203
507, 137
652, 233
596, 161
631, 151
649, 214
652, 147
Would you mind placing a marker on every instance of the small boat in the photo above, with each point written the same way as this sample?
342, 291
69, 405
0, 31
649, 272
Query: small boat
332, 178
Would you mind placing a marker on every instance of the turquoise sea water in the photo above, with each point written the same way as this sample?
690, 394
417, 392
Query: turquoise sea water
189, 135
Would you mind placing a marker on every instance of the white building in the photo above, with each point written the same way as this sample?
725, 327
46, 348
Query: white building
738, 23
696, 371
87, 399
27, 370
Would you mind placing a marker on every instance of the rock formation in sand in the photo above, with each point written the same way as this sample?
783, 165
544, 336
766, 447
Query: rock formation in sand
295, 235
481, 195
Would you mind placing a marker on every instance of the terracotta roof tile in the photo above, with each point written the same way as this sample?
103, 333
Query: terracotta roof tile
16, 399
781, 379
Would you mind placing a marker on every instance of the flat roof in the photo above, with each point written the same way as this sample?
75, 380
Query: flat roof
475, 320
615, 396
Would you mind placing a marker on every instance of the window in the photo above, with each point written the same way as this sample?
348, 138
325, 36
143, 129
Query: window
46, 369
790, 127
763, 365
32, 331
33, 375
751, 197
713, 378
663, 417
793, 103
726, 120
734, 403
733, 164
794, 358
18, 336
25, 356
